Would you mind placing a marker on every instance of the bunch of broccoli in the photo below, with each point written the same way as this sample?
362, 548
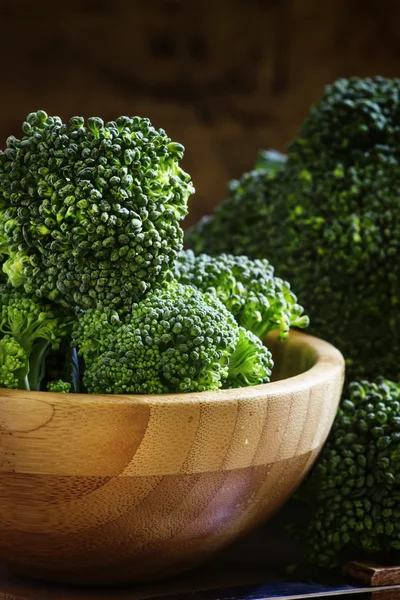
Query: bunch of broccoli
327, 215
96, 294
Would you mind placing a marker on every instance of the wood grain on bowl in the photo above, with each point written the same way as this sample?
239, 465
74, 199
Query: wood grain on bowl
123, 488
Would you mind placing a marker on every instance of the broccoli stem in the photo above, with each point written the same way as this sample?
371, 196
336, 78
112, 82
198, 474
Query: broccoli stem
22, 377
37, 364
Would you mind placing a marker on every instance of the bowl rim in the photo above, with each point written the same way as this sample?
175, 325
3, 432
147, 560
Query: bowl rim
329, 362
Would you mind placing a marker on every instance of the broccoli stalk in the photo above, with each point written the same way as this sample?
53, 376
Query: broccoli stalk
36, 364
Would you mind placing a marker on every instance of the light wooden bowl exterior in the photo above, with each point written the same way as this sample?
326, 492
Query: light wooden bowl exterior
124, 488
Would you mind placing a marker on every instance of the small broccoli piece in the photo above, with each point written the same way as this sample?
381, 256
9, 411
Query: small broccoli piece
60, 386
13, 359
93, 329
63, 364
259, 301
174, 340
177, 339
90, 211
36, 327
355, 486
251, 363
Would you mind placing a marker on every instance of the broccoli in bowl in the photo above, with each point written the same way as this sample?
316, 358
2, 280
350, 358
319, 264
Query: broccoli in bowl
92, 247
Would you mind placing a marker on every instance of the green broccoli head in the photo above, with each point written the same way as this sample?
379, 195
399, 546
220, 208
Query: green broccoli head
259, 301
59, 386
13, 359
33, 325
91, 211
338, 247
339, 197
329, 221
355, 485
177, 339
354, 120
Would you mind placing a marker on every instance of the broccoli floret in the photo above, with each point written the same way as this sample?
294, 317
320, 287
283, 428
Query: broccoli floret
33, 326
354, 488
93, 329
60, 386
13, 359
354, 120
329, 221
91, 211
259, 301
175, 340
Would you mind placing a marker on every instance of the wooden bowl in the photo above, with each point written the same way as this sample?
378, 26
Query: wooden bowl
103, 489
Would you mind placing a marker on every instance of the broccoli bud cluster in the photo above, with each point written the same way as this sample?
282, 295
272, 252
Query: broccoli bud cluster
13, 359
354, 120
90, 212
355, 485
259, 301
177, 339
90, 233
59, 386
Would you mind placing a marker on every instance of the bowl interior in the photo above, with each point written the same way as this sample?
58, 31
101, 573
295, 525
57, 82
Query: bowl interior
290, 359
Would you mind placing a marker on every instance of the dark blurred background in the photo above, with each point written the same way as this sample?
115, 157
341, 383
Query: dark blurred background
224, 77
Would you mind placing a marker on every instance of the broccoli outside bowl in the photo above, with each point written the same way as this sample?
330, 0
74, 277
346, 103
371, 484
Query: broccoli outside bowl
105, 489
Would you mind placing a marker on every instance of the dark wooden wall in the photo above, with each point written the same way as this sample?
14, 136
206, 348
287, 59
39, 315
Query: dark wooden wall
224, 77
